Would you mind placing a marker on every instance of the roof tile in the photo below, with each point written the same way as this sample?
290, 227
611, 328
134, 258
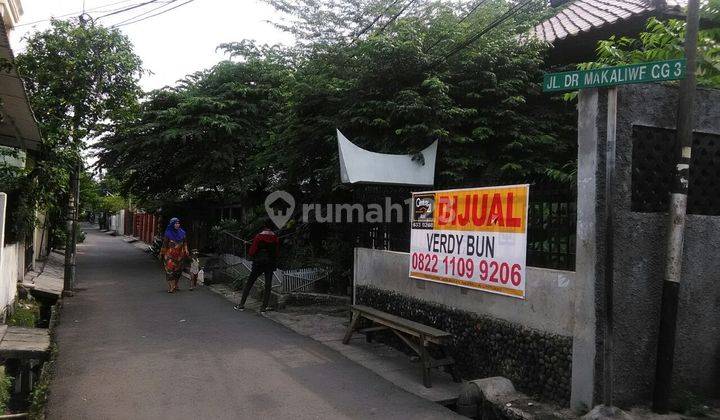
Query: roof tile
585, 15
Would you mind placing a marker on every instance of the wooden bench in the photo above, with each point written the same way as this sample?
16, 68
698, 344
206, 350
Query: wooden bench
416, 335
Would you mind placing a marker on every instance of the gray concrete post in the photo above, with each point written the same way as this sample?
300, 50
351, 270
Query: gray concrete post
589, 327
583, 358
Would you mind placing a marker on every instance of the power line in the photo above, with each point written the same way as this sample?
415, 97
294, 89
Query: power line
395, 17
127, 9
75, 13
467, 15
374, 21
156, 14
145, 13
505, 16
474, 8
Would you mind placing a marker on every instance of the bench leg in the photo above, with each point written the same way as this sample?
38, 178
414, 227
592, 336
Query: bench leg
425, 359
351, 327
453, 367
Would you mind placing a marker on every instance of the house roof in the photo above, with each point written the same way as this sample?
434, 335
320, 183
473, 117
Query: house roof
18, 127
582, 16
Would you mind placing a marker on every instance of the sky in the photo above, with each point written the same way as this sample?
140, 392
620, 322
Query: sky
172, 44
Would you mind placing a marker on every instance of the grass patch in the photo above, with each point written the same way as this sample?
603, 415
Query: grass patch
41, 392
5, 384
692, 405
25, 314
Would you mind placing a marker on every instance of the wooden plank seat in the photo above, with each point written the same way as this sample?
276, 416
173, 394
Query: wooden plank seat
416, 335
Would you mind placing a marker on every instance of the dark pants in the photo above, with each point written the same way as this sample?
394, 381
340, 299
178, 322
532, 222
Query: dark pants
257, 269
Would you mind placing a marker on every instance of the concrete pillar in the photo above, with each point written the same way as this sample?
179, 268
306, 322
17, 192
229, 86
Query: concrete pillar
589, 285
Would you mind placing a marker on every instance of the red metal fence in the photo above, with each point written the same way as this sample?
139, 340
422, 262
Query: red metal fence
145, 226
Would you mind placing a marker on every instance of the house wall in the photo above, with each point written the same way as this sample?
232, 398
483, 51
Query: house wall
528, 341
547, 307
11, 271
639, 259
12, 262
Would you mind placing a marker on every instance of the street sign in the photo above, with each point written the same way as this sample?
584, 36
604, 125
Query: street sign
656, 71
474, 238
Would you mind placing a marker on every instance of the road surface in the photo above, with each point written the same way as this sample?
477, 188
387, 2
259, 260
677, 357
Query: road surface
129, 350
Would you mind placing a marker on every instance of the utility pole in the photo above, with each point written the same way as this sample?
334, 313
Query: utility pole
74, 199
71, 221
678, 210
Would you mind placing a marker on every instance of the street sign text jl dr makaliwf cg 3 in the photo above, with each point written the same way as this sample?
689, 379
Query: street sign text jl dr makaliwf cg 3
656, 71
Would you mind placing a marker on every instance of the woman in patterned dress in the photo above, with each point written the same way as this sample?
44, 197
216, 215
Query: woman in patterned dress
174, 252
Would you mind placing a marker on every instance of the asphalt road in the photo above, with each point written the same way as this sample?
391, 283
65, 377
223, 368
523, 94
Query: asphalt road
129, 350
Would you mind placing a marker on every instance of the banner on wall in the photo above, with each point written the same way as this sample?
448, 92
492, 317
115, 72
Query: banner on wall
474, 238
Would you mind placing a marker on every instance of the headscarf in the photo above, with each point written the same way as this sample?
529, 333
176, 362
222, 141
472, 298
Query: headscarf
177, 235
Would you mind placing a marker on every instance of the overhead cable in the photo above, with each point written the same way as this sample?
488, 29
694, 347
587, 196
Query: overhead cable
144, 13
156, 14
76, 13
474, 38
127, 9
467, 15
374, 21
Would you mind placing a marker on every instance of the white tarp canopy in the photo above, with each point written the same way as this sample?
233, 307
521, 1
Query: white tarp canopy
358, 165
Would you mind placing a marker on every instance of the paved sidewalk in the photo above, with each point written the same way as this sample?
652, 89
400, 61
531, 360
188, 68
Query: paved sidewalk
50, 279
329, 329
129, 350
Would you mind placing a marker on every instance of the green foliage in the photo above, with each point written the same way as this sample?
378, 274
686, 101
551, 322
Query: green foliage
26, 314
89, 193
80, 235
5, 388
204, 137
225, 225
267, 119
111, 204
80, 79
41, 391
664, 40
691, 404
15, 182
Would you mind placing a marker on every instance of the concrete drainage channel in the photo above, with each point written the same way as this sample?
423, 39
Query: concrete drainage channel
496, 398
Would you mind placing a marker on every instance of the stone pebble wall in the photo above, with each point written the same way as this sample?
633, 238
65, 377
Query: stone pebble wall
537, 363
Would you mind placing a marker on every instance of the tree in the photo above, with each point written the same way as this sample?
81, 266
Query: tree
203, 137
268, 118
395, 89
664, 40
80, 79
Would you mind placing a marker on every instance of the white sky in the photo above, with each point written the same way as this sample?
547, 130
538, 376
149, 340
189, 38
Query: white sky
175, 43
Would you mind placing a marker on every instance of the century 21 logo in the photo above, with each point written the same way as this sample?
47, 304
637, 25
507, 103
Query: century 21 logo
423, 207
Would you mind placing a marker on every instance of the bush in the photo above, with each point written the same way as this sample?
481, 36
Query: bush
38, 399
26, 314
5, 384
79, 235
225, 225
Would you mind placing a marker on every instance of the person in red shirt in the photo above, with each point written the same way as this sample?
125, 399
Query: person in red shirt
264, 252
